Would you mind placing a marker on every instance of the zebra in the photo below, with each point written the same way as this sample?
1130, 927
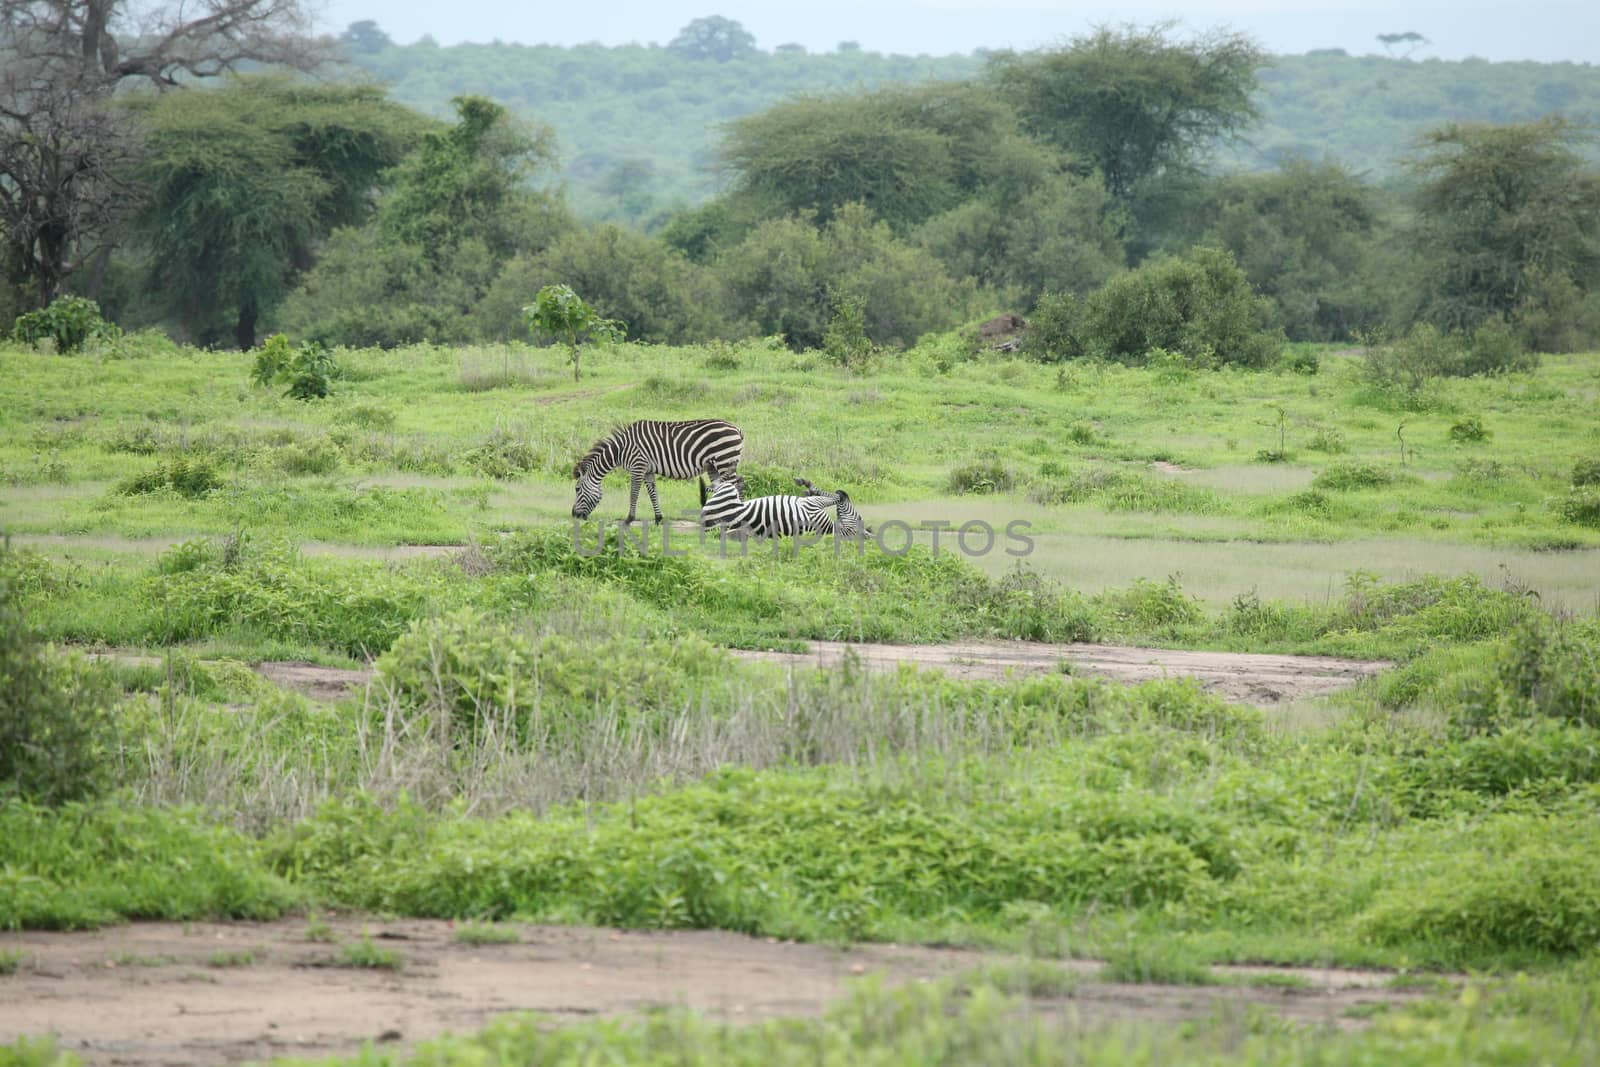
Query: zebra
782, 515
646, 448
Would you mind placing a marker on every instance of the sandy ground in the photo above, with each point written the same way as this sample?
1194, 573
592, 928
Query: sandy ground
168, 993
1249, 678
1241, 677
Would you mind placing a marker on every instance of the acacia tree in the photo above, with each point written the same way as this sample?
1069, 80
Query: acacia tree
1508, 221
62, 147
713, 37
1134, 104
241, 181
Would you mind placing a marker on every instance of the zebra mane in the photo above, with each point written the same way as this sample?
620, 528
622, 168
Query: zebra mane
591, 457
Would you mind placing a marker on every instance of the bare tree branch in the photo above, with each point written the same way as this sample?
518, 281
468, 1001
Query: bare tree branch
64, 148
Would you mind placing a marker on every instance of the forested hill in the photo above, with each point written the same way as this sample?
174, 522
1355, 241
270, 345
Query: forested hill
637, 125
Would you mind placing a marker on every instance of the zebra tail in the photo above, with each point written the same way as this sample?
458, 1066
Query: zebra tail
702, 491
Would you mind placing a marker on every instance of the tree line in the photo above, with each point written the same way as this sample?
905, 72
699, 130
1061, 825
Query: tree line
331, 212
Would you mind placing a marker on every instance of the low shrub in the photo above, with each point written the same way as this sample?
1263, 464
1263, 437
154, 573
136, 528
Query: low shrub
57, 732
68, 323
1580, 506
1345, 476
1199, 306
981, 476
187, 478
1468, 431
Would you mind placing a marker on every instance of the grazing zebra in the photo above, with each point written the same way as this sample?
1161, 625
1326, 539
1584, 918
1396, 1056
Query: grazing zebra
645, 449
783, 515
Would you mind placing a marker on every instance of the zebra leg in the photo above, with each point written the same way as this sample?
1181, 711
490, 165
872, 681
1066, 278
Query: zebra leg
633, 493
650, 484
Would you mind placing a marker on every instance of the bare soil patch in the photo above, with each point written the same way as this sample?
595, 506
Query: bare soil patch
169, 993
1241, 677
1247, 678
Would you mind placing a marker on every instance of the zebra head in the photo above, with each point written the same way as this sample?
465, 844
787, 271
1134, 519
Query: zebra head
589, 475
725, 499
851, 524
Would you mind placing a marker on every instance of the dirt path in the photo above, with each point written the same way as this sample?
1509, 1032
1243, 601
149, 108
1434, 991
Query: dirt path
1237, 676
1248, 678
168, 993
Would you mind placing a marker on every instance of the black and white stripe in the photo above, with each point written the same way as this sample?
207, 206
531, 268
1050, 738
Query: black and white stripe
645, 449
782, 515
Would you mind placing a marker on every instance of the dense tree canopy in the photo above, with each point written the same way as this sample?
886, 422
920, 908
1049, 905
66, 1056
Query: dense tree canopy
1134, 104
61, 148
1508, 219
715, 38
242, 181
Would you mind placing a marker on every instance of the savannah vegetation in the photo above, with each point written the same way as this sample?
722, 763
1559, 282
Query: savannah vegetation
1407, 470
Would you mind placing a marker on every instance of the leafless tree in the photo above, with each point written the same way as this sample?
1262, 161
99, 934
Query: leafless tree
64, 147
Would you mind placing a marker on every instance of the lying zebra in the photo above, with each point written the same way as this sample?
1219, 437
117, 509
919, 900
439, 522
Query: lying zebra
782, 515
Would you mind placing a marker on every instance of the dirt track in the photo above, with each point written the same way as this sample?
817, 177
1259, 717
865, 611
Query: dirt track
166, 993
1242, 677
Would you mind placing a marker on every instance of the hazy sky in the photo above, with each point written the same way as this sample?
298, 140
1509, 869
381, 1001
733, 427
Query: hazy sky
1495, 31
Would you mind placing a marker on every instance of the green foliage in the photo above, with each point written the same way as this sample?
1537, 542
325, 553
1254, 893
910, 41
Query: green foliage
1468, 431
981, 476
56, 726
365, 954
307, 369
1406, 366
1059, 232
1143, 962
242, 182
271, 590
713, 38
845, 340
1134, 103
1541, 670
783, 273
908, 154
559, 311
1535, 886
1345, 476
1503, 211
1199, 306
661, 295
86, 865
68, 322
188, 478
487, 934
1306, 237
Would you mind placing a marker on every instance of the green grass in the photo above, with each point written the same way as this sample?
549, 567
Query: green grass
487, 934
560, 737
365, 954
233, 958
11, 960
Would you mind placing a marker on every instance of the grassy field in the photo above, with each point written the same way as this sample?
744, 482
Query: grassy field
557, 736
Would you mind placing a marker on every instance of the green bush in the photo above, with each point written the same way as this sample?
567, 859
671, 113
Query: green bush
1407, 365
57, 732
1580, 507
1586, 472
1543, 669
1468, 431
68, 322
1343, 476
188, 478
308, 369
1533, 886
1199, 306
981, 476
